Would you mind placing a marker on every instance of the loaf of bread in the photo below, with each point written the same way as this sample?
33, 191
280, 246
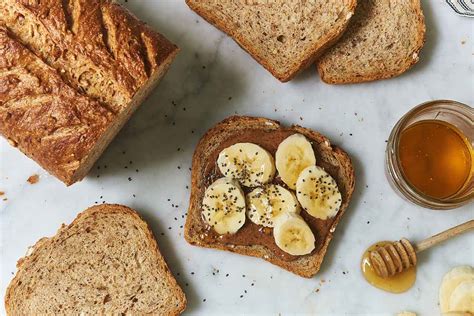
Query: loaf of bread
383, 40
106, 262
254, 130
283, 36
71, 74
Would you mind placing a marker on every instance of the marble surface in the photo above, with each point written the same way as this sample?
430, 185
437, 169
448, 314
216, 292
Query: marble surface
147, 168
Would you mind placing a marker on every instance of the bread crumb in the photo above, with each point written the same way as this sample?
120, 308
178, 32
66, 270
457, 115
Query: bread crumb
2, 193
33, 179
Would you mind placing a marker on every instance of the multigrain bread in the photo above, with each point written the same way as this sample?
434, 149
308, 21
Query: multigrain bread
105, 262
44, 117
283, 36
244, 129
98, 49
383, 40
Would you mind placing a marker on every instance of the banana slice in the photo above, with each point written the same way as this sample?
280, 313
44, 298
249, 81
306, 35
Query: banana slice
318, 193
268, 204
293, 235
223, 206
450, 281
462, 298
293, 155
248, 163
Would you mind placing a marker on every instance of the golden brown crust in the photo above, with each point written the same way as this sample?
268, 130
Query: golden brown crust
327, 41
97, 46
48, 120
406, 64
306, 266
96, 211
97, 63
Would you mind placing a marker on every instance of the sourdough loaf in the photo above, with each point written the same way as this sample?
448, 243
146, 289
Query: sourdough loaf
98, 49
383, 40
241, 129
105, 262
284, 36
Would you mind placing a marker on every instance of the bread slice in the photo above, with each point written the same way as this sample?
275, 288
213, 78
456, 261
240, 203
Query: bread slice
283, 36
383, 40
105, 262
268, 134
98, 49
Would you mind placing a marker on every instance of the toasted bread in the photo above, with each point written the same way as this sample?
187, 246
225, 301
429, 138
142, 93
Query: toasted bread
383, 40
105, 262
268, 134
283, 36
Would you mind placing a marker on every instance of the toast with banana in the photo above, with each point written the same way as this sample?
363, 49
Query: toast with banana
269, 191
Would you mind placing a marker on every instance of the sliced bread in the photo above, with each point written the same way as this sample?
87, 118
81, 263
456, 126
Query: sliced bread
383, 40
283, 36
105, 262
268, 134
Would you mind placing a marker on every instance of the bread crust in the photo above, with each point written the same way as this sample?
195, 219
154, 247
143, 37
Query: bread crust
305, 266
327, 41
407, 64
26, 261
97, 46
94, 53
45, 118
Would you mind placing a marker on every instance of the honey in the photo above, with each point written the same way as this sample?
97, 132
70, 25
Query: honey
398, 283
436, 158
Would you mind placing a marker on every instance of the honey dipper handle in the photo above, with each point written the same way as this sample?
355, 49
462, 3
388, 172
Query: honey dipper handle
447, 234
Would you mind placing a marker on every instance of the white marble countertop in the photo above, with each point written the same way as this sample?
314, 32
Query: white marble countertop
147, 168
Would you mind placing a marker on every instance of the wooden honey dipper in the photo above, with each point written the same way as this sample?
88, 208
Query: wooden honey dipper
395, 257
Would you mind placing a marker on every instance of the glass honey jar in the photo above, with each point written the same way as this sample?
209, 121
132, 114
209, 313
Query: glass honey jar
430, 156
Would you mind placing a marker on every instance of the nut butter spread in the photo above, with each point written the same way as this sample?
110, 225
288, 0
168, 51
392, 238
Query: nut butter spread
251, 234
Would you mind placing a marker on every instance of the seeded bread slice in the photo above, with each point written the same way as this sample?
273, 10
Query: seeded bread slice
105, 262
383, 40
232, 127
283, 36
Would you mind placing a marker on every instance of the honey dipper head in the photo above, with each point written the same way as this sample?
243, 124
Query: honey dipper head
393, 258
